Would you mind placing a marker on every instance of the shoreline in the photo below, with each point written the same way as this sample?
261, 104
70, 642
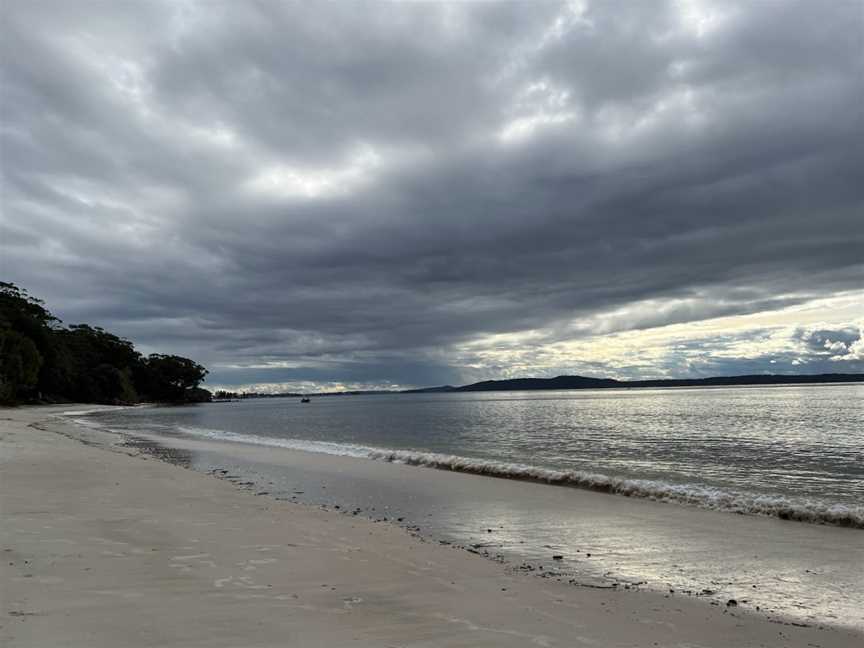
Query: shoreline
825, 593
688, 493
390, 581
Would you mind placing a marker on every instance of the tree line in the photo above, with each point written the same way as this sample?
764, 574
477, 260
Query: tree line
41, 360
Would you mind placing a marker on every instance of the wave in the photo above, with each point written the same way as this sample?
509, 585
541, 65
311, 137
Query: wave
691, 494
95, 410
320, 447
785, 508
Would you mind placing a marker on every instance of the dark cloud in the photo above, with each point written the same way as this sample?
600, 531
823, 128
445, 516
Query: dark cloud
361, 191
836, 343
817, 351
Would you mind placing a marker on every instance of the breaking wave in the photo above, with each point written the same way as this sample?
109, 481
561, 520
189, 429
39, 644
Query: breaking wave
95, 410
785, 508
690, 494
320, 447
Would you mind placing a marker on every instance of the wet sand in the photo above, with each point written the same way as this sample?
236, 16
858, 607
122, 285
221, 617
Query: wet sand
103, 545
784, 570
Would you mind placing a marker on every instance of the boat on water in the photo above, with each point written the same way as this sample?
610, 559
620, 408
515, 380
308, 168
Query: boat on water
305, 400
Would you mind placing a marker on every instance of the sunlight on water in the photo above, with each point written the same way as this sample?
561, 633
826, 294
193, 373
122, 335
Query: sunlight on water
744, 449
779, 452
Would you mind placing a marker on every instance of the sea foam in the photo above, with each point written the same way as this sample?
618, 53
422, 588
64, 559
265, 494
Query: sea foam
703, 496
320, 447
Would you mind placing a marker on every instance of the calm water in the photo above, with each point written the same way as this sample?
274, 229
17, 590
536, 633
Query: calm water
793, 452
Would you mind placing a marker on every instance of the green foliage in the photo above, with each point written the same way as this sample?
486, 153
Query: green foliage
20, 311
169, 377
96, 346
41, 358
113, 385
20, 362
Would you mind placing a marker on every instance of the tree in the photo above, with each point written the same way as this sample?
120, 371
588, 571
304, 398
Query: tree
25, 329
171, 377
26, 316
20, 311
20, 362
100, 346
41, 357
92, 365
114, 385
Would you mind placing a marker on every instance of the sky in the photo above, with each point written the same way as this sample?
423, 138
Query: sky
357, 195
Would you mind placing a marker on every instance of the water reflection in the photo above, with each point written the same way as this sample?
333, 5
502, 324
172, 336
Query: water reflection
788, 568
786, 441
802, 442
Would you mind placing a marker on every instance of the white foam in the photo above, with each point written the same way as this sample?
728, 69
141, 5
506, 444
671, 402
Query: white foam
87, 423
320, 447
799, 509
803, 510
96, 410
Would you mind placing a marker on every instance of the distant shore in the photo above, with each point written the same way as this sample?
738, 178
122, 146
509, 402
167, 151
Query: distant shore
104, 546
564, 383
583, 382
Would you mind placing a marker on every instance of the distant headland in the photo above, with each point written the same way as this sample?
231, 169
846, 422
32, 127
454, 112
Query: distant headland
574, 382
582, 382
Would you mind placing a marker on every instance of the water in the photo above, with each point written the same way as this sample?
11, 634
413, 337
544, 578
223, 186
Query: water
791, 459
794, 452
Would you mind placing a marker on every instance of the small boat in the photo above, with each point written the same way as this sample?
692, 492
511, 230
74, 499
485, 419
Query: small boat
305, 400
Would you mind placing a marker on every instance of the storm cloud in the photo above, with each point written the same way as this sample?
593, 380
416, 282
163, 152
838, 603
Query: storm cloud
372, 194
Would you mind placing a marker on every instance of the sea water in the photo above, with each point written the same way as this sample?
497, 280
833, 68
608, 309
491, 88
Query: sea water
790, 451
674, 465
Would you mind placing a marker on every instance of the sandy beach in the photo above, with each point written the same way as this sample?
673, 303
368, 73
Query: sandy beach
105, 546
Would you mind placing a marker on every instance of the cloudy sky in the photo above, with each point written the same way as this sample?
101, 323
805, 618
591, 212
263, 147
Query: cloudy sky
361, 194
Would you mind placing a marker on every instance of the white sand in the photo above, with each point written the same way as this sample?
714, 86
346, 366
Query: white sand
104, 548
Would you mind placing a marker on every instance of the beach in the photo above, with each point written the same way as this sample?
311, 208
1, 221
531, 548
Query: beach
103, 545
708, 493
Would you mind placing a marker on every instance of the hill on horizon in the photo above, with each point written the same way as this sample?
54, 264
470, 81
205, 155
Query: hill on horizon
584, 382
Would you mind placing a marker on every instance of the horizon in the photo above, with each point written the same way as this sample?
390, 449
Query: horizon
347, 197
624, 384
